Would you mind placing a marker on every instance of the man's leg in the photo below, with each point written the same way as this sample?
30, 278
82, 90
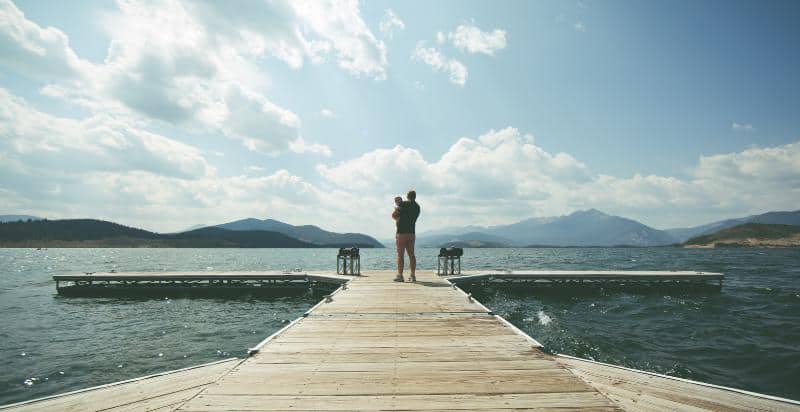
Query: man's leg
412, 258
400, 244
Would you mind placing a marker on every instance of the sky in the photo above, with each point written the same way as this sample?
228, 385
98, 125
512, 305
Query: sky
169, 114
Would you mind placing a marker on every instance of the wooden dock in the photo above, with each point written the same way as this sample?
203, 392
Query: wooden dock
375, 344
209, 282
540, 278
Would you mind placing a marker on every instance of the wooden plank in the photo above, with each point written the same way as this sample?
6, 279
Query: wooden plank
463, 402
379, 341
148, 393
262, 382
635, 390
383, 345
415, 366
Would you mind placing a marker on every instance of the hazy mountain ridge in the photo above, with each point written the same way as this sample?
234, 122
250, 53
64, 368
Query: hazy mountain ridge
99, 233
307, 233
17, 218
750, 235
475, 238
582, 228
590, 228
779, 218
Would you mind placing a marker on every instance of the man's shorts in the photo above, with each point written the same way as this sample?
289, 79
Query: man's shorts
405, 242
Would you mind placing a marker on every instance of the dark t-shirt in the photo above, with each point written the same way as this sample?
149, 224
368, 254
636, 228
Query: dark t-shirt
409, 212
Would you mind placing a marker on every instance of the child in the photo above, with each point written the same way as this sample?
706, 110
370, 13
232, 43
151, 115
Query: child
396, 212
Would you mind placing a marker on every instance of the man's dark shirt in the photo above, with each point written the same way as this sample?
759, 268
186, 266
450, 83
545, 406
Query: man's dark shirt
409, 212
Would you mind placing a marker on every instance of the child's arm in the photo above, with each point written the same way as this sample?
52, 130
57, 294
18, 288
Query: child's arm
396, 213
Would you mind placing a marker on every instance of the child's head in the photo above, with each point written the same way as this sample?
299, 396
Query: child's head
398, 200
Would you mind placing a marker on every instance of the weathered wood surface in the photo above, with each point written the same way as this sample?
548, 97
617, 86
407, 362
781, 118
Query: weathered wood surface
167, 391
381, 345
636, 390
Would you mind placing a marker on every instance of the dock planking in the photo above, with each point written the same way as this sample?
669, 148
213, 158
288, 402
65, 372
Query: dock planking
383, 345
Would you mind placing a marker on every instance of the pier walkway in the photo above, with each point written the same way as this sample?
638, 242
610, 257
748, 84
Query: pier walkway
375, 344
382, 345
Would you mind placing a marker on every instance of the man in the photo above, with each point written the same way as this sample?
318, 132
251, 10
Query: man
406, 222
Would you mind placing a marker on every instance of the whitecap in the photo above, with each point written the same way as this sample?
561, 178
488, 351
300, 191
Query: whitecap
160, 355
28, 382
544, 319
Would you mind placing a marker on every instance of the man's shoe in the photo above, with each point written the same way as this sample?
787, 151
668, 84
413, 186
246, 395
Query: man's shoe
399, 278
412, 278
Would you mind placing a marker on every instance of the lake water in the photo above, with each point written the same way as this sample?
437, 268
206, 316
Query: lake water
745, 335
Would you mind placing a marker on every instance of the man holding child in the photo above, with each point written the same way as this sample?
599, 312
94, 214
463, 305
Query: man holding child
405, 215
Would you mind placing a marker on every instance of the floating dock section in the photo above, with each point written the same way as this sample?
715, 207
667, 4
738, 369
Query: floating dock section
375, 344
133, 283
617, 278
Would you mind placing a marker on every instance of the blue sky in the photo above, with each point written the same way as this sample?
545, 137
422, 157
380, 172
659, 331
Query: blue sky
168, 114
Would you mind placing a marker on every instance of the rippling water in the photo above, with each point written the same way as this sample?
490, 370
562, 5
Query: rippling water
745, 335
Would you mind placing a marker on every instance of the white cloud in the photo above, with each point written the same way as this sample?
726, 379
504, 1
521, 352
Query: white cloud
258, 123
498, 177
440, 37
339, 24
389, 23
196, 64
299, 145
38, 143
432, 57
742, 127
579, 27
328, 113
40, 52
502, 176
473, 40
107, 168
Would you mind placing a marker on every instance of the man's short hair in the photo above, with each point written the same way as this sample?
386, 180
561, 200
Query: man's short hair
411, 195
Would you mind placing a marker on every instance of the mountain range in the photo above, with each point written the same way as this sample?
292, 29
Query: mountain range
248, 233
306, 233
587, 228
17, 218
750, 234
582, 228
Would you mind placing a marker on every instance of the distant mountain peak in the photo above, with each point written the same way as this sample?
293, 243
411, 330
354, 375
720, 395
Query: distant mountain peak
307, 233
590, 212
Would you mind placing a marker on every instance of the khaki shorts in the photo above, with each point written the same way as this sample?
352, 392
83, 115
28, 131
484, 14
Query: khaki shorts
405, 242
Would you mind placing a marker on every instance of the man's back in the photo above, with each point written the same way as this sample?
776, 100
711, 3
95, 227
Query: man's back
409, 212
